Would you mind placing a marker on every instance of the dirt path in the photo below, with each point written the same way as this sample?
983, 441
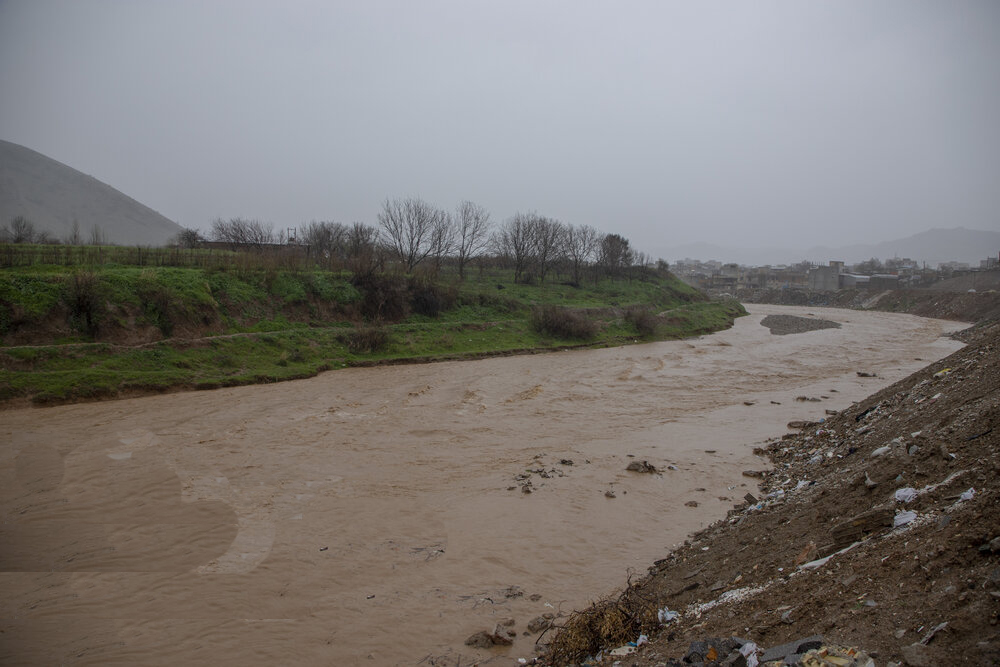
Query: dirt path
377, 516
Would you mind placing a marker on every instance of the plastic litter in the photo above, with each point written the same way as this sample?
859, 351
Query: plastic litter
666, 616
942, 373
905, 495
879, 452
967, 495
643, 639
903, 518
749, 651
802, 484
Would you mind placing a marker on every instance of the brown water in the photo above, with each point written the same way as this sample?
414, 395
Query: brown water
372, 516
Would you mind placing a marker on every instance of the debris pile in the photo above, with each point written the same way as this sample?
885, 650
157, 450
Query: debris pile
877, 528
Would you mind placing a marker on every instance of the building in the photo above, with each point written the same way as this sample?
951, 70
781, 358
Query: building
826, 278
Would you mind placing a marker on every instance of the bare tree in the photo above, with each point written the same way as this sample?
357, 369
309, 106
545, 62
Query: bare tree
547, 238
364, 256
75, 237
22, 230
472, 230
615, 255
443, 239
325, 239
580, 246
188, 238
97, 235
243, 233
515, 242
408, 227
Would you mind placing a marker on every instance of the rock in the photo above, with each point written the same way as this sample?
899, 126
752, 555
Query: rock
507, 622
566, 462
798, 424
807, 554
538, 624
513, 592
852, 530
750, 499
697, 652
502, 637
917, 655
995, 545
787, 617
641, 466
792, 650
756, 474
691, 503
535, 597
864, 374
481, 639
881, 451
610, 494
930, 635
869, 482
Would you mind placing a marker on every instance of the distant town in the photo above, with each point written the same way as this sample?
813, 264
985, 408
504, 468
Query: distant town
874, 274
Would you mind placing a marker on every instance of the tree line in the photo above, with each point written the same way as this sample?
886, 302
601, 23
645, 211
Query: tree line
22, 230
418, 235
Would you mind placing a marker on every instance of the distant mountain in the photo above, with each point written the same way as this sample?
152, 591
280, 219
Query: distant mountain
52, 195
933, 247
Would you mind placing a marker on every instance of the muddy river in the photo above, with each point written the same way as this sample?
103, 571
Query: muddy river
379, 516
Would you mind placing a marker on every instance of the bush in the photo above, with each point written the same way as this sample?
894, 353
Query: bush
384, 297
562, 322
644, 321
85, 302
429, 298
367, 340
158, 302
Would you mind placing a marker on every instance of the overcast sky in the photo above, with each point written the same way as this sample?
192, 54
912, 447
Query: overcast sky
740, 123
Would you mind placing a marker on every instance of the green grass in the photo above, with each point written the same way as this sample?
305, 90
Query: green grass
288, 324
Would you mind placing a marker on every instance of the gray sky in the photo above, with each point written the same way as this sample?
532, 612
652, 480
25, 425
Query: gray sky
739, 123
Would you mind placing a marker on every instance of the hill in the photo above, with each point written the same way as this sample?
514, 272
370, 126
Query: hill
53, 195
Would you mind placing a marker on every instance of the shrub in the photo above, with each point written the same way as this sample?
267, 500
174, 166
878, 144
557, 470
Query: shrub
85, 302
643, 319
367, 340
562, 322
158, 302
384, 297
429, 298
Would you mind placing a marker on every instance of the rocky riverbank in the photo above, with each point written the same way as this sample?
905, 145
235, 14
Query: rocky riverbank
878, 528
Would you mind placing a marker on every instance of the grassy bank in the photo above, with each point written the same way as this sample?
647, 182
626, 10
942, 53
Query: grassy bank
78, 334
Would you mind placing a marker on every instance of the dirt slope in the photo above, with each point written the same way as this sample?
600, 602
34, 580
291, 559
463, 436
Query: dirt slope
834, 485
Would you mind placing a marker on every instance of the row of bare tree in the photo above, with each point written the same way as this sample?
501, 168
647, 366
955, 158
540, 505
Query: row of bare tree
22, 230
531, 244
414, 233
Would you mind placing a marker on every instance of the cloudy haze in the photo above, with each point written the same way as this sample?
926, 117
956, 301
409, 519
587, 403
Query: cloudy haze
757, 123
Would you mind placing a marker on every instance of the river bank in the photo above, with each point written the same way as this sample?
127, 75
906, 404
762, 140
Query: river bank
877, 529
381, 511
